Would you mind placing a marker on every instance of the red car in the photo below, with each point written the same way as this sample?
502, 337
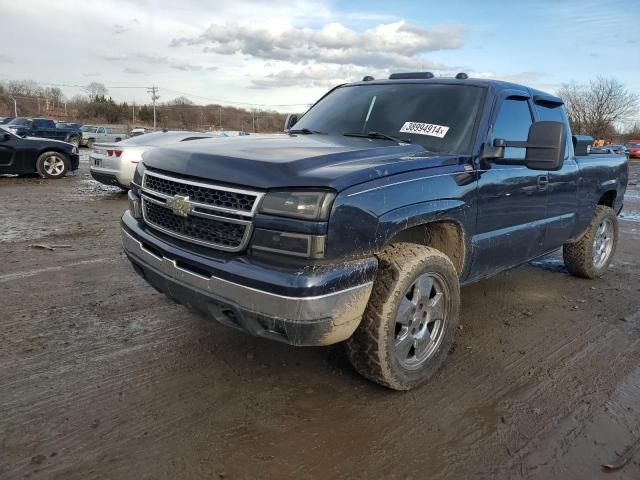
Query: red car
633, 146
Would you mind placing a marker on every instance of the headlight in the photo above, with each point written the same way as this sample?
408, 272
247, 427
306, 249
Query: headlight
137, 176
307, 205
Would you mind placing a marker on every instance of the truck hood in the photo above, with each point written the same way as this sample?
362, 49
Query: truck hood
280, 161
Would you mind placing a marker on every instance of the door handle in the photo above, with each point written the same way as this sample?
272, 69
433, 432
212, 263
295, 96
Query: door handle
543, 182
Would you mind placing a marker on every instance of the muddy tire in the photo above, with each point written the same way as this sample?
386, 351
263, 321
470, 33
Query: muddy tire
75, 141
411, 319
90, 143
52, 165
590, 256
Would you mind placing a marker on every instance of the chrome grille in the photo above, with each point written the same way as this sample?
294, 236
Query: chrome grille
219, 198
220, 217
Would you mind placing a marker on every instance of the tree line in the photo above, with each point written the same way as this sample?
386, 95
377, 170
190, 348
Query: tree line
95, 105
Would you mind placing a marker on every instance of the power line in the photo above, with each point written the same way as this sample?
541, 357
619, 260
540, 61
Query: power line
139, 87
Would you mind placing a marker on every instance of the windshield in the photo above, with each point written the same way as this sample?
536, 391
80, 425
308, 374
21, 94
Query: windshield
89, 129
439, 117
20, 121
632, 145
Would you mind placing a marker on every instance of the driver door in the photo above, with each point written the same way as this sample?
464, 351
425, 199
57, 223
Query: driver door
511, 197
8, 157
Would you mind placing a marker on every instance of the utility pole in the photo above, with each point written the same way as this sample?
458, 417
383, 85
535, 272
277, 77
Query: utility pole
220, 110
133, 121
154, 96
15, 106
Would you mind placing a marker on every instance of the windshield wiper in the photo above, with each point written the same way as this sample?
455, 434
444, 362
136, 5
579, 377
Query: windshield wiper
305, 131
382, 136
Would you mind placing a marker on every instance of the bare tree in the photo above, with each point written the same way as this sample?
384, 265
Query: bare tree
95, 90
182, 100
598, 109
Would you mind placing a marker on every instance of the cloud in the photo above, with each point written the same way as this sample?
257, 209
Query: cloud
134, 71
312, 76
185, 67
118, 29
4, 58
397, 44
149, 59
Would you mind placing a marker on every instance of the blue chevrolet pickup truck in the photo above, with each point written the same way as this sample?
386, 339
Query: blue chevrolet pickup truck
45, 128
361, 223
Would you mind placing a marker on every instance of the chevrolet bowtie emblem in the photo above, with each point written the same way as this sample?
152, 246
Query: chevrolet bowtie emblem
179, 205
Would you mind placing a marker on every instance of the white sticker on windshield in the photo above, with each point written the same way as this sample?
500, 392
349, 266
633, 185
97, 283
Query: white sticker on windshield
424, 129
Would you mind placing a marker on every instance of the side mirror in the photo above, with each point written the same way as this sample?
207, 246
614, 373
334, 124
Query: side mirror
290, 121
6, 137
545, 146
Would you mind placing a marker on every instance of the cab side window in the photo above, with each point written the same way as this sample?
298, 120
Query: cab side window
512, 123
555, 113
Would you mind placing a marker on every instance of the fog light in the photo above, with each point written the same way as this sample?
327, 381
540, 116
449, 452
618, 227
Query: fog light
296, 244
135, 205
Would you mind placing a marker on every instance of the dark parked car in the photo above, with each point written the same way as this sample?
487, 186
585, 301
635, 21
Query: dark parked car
44, 128
363, 222
618, 149
49, 158
605, 150
5, 120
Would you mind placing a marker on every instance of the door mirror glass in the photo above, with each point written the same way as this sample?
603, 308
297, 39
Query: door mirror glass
546, 146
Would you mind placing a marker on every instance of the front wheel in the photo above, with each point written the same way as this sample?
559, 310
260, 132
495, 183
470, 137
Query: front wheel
411, 319
52, 165
75, 141
90, 143
590, 256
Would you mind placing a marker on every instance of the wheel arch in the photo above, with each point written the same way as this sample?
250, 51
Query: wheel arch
608, 198
445, 235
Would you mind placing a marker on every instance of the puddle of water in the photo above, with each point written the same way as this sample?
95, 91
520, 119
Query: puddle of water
630, 215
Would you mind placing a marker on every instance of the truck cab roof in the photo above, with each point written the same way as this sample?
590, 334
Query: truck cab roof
496, 86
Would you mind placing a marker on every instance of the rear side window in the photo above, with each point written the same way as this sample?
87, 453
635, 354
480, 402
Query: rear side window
553, 112
44, 124
512, 123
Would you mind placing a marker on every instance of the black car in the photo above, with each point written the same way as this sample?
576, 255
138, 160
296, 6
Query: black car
49, 158
5, 120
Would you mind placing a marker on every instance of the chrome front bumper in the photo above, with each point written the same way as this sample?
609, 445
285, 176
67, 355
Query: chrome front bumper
315, 320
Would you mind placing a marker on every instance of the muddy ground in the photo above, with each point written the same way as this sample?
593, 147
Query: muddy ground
101, 377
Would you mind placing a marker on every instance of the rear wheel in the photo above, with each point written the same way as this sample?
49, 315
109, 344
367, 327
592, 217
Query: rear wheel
52, 165
590, 256
412, 316
75, 141
90, 143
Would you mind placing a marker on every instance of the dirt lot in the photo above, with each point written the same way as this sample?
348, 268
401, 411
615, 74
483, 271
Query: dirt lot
101, 377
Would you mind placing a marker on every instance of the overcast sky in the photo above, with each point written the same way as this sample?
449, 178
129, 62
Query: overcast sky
289, 52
